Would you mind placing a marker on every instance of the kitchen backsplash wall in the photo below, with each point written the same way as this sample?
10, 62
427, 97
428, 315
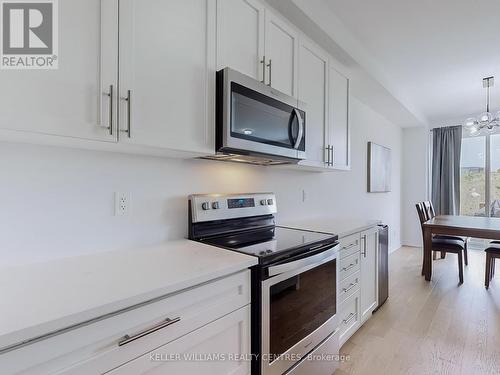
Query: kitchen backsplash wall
58, 202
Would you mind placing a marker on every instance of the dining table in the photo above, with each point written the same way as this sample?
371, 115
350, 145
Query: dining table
455, 225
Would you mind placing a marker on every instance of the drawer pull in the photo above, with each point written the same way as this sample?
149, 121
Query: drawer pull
349, 246
167, 322
348, 267
350, 317
352, 285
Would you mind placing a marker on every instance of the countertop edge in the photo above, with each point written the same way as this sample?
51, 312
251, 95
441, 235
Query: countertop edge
38, 332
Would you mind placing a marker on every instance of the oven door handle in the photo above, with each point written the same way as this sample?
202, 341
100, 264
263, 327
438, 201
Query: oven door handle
329, 252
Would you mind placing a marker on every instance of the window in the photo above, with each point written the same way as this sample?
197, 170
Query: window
473, 176
480, 176
494, 187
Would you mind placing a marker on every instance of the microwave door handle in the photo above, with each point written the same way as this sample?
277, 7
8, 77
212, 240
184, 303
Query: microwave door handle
301, 128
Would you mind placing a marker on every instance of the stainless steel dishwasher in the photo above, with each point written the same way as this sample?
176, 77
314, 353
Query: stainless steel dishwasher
383, 264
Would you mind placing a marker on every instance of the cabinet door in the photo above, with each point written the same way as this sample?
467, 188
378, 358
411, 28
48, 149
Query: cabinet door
240, 36
195, 353
339, 132
313, 82
164, 68
369, 275
281, 44
72, 100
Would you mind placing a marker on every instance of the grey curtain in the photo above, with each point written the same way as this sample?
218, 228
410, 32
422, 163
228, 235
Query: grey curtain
446, 147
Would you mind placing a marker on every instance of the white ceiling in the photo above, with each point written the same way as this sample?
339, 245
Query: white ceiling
431, 54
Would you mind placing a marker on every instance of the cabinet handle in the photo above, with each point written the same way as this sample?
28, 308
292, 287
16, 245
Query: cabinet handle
167, 322
329, 155
352, 285
110, 94
364, 246
270, 71
349, 318
128, 99
348, 267
263, 62
332, 159
351, 245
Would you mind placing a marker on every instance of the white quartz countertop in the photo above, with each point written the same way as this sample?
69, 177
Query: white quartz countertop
340, 227
40, 298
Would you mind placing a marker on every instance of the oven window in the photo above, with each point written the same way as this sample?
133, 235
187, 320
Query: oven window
259, 118
301, 304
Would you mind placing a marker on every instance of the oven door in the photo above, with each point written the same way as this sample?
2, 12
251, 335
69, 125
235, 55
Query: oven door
299, 309
256, 118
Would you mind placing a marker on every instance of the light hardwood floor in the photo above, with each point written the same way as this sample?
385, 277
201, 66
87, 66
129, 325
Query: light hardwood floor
435, 327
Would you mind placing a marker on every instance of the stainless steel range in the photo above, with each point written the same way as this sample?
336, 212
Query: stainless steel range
294, 287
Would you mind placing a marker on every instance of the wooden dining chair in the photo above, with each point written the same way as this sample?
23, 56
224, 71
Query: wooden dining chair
442, 243
430, 212
492, 253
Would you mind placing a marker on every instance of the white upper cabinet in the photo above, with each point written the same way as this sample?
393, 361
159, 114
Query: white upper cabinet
166, 83
255, 41
313, 91
369, 272
240, 36
140, 76
281, 47
73, 100
339, 134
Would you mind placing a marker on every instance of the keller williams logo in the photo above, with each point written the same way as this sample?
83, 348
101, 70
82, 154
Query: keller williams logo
29, 34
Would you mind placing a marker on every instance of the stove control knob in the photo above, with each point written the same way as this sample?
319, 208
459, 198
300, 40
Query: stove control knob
215, 205
263, 202
205, 206
270, 202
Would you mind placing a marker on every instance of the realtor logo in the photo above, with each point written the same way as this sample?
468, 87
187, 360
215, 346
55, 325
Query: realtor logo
29, 34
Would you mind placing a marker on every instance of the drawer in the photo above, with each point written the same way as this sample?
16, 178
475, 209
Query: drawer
229, 335
95, 346
322, 360
349, 317
349, 285
349, 245
349, 265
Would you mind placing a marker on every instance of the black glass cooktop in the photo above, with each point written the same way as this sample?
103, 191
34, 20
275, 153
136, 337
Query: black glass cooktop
271, 242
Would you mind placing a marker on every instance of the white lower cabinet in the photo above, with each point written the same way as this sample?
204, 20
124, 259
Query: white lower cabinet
207, 319
369, 272
218, 348
349, 317
358, 285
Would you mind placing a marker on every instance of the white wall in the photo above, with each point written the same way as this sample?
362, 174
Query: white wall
414, 183
59, 202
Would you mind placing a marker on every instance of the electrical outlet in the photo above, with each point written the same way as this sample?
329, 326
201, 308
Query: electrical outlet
122, 204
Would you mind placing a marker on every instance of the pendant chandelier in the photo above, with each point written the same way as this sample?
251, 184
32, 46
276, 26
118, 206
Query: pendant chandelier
486, 122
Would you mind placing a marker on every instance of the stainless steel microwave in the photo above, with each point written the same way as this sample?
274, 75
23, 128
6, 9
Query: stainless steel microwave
257, 123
